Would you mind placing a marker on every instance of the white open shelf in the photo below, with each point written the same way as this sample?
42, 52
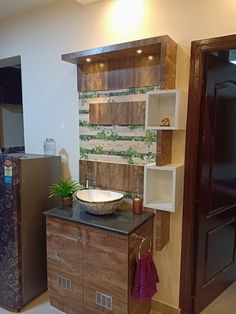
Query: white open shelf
163, 187
165, 104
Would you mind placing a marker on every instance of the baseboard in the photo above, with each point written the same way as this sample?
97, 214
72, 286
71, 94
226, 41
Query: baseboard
164, 308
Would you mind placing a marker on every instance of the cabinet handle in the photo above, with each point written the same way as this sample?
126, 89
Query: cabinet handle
84, 238
79, 235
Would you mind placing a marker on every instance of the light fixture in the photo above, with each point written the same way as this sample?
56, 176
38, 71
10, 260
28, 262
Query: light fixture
126, 16
150, 58
139, 51
88, 60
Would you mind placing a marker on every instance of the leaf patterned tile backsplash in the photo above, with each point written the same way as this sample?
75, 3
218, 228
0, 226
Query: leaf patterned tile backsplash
129, 144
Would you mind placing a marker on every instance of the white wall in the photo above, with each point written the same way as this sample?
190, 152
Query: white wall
49, 85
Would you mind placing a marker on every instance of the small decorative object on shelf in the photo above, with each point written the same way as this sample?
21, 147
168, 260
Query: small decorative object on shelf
137, 205
65, 190
165, 122
165, 109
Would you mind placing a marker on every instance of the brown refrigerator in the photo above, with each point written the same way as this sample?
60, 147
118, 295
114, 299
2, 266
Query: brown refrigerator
24, 190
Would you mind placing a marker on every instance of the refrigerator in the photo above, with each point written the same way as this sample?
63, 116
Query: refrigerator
24, 190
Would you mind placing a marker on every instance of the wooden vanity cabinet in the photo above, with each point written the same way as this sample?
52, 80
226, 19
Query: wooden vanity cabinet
89, 265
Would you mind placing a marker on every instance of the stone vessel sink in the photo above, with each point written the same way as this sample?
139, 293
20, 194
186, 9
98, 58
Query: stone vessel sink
99, 202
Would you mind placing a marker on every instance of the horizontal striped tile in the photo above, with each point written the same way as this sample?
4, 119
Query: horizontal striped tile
84, 104
119, 145
115, 159
121, 131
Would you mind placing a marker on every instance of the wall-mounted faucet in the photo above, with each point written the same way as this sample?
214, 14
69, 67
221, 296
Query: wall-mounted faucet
87, 180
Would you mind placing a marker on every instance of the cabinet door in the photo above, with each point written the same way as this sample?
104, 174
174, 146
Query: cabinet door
65, 271
105, 272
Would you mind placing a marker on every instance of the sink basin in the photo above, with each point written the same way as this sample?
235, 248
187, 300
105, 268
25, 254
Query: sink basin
99, 202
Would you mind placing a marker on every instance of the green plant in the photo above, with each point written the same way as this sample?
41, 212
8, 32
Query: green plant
129, 154
150, 138
97, 150
65, 188
83, 153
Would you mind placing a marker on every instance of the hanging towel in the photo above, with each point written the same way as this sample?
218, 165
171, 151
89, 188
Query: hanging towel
146, 278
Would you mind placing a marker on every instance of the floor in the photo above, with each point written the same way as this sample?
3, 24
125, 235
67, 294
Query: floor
38, 306
225, 303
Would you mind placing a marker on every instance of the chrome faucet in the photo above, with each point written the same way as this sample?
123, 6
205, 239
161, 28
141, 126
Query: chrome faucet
87, 180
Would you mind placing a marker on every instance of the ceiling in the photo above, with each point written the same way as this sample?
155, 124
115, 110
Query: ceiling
11, 8
84, 2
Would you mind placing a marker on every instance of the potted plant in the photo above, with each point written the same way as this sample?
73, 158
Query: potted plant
65, 190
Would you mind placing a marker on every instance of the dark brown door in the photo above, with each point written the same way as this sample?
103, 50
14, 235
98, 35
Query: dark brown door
215, 267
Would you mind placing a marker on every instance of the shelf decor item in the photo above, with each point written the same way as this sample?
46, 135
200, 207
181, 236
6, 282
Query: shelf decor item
65, 190
137, 205
165, 109
165, 122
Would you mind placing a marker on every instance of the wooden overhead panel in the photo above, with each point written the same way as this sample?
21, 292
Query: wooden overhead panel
121, 66
125, 113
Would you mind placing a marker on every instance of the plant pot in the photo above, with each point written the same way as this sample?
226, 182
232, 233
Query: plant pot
67, 202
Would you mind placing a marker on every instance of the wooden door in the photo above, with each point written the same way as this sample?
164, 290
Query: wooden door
105, 270
216, 185
65, 266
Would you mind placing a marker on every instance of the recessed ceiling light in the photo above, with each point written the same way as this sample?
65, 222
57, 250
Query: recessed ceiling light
150, 57
88, 59
139, 51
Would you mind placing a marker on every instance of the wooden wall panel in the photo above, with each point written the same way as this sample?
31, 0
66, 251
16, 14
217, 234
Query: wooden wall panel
92, 77
164, 147
168, 64
126, 113
147, 70
120, 177
162, 229
136, 71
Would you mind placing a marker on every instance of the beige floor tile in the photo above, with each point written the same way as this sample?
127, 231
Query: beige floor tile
39, 306
225, 303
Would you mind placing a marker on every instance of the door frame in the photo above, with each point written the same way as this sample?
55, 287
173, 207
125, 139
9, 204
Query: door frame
199, 49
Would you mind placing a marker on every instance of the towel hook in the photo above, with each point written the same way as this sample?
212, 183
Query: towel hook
140, 246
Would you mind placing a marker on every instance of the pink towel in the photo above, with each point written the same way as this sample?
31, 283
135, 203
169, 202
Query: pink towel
146, 278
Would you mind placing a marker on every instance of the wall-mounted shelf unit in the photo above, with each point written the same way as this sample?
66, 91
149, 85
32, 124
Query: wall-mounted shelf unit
163, 187
139, 63
165, 105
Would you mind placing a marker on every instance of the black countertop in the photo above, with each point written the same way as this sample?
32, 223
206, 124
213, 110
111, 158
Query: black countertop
124, 222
